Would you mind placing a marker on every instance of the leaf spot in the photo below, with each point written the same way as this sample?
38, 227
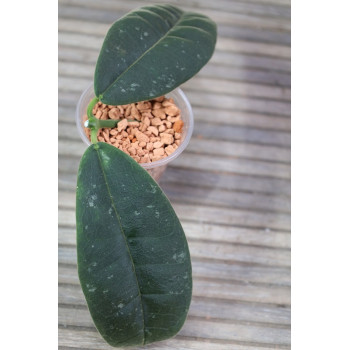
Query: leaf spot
120, 305
91, 200
136, 213
145, 33
110, 276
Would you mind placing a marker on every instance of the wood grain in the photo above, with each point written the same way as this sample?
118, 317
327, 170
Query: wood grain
230, 187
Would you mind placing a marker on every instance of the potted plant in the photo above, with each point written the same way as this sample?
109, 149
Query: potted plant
133, 259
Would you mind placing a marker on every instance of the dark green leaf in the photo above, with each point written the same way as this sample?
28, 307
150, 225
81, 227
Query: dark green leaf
150, 51
133, 260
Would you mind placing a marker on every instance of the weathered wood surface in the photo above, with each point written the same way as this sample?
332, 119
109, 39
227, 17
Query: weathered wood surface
230, 188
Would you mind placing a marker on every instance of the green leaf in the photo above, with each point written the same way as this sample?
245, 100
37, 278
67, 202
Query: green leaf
150, 51
133, 260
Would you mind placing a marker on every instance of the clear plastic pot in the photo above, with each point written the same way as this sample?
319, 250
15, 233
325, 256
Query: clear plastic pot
157, 168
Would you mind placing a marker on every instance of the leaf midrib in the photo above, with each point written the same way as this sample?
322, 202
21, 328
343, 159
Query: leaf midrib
137, 60
124, 236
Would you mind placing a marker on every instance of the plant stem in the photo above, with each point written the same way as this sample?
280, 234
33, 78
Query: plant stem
95, 124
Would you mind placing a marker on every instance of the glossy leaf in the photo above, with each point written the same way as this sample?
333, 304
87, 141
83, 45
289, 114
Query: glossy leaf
133, 260
150, 51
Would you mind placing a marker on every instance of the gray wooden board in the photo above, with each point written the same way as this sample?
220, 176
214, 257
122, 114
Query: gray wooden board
107, 11
230, 187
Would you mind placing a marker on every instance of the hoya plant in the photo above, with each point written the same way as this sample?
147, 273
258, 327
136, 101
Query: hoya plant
133, 260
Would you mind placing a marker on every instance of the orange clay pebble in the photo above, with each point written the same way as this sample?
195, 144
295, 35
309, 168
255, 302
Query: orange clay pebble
158, 151
178, 126
122, 125
147, 131
156, 121
141, 136
159, 113
114, 113
169, 149
166, 138
158, 144
153, 130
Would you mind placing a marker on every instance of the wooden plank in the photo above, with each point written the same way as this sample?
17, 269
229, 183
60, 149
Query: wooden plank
220, 116
110, 11
231, 165
196, 177
203, 308
254, 34
238, 149
206, 289
84, 29
184, 193
199, 82
212, 215
247, 273
216, 233
235, 166
210, 85
83, 63
203, 214
250, 61
75, 86
254, 105
205, 329
265, 65
202, 145
243, 134
94, 41
177, 192
72, 338
210, 250
224, 30
242, 74
217, 251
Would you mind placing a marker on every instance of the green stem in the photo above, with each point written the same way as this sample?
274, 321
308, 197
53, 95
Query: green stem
95, 124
